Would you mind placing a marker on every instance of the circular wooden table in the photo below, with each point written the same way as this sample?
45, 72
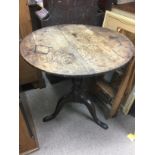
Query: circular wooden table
76, 52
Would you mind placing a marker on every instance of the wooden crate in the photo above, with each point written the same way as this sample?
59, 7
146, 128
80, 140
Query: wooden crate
125, 25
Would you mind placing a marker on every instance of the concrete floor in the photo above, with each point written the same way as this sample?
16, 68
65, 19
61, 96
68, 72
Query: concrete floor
73, 132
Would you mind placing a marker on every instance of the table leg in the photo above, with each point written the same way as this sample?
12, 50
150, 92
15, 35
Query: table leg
78, 94
91, 108
59, 106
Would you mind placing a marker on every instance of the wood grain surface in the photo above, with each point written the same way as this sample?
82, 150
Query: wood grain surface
76, 50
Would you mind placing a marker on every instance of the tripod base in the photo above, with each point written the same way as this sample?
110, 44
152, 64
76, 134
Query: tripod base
79, 93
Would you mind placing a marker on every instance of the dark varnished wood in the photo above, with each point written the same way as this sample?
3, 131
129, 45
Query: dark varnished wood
79, 93
129, 7
76, 50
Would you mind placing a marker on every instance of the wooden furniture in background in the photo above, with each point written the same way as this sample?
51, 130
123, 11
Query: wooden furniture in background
75, 12
24, 18
124, 25
129, 101
71, 11
27, 136
114, 21
126, 9
27, 73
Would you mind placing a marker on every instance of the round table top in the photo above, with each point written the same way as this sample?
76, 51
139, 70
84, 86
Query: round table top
76, 50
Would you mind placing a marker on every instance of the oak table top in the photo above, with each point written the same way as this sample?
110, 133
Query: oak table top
76, 50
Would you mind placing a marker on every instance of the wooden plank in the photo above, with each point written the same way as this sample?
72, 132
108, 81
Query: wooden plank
129, 102
125, 13
106, 88
27, 73
28, 141
128, 91
24, 18
120, 93
130, 83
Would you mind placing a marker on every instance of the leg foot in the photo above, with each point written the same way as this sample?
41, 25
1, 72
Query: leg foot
58, 108
48, 118
91, 108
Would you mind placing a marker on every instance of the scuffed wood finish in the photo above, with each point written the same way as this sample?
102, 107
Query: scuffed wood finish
76, 50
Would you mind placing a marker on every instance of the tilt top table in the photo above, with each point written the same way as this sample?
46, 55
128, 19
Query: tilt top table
79, 52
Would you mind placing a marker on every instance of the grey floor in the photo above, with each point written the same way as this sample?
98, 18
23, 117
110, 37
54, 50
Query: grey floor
73, 132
